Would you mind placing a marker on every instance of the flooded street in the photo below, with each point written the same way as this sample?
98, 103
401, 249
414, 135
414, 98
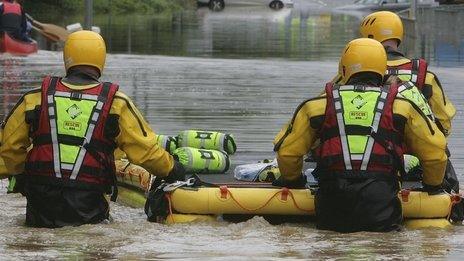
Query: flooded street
251, 98
313, 30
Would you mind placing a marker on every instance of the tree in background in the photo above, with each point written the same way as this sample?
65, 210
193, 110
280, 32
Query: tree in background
116, 6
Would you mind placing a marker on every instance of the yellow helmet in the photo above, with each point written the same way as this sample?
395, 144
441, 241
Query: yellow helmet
363, 55
84, 48
381, 26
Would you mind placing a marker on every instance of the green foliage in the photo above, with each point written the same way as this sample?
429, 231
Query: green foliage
70, 5
101, 6
115, 6
141, 6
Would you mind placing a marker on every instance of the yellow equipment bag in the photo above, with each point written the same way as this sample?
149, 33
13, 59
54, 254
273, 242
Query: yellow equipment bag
211, 140
202, 161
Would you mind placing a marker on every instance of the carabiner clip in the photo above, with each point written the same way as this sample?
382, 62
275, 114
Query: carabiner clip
173, 186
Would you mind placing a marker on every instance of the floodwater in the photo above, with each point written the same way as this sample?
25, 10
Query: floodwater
250, 98
313, 30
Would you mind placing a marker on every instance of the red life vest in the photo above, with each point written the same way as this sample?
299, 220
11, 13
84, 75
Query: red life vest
11, 8
383, 151
416, 68
11, 17
94, 166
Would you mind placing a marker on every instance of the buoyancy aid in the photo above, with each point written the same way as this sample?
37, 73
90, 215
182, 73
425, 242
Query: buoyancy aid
414, 70
409, 91
358, 137
11, 17
70, 144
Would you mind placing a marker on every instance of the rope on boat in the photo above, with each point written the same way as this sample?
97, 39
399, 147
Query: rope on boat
168, 197
284, 193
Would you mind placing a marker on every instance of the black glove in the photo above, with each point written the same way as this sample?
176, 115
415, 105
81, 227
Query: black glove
457, 212
177, 173
414, 174
294, 184
16, 184
432, 190
156, 206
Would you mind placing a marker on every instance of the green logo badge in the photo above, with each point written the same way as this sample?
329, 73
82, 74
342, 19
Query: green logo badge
358, 101
74, 111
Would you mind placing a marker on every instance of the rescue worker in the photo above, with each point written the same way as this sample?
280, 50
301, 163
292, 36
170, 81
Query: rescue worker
362, 127
13, 20
387, 28
75, 123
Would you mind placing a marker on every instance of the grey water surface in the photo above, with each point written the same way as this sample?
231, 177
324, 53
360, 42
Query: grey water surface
251, 98
312, 30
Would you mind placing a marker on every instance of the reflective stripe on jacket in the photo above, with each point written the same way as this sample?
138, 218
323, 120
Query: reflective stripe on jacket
70, 145
357, 134
442, 108
414, 70
420, 136
133, 134
409, 91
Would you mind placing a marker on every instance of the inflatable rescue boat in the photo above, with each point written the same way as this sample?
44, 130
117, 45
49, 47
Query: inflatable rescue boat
190, 202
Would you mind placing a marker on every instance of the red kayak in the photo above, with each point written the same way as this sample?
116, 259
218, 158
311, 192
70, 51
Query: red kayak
16, 47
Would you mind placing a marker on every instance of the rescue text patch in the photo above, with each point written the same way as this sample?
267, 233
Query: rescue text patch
72, 125
358, 115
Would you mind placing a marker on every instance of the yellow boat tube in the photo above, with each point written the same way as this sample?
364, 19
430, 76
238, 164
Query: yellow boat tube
282, 201
419, 208
259, 201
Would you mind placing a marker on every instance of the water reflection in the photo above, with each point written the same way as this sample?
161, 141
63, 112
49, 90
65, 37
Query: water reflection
10, 85
310, 31
235, 32
305, 32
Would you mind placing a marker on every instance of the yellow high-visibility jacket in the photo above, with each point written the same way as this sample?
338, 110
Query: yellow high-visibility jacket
136, 138
442, 108
421, 136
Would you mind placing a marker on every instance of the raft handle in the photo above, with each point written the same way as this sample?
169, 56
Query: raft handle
224, 191
284, 194
405, 195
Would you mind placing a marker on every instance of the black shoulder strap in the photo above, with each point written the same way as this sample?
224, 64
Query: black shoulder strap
104, 92
52, 85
